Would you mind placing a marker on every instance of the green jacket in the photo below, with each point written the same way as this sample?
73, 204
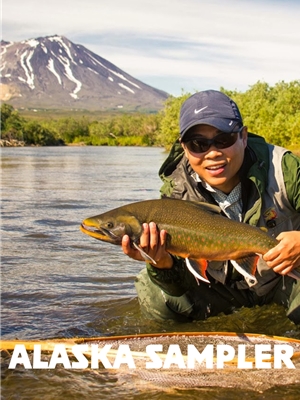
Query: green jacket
255, 176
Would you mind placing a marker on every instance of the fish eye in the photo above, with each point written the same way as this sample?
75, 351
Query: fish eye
109, 225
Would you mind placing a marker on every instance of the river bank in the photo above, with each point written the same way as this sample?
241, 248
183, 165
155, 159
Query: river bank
17, 143
11, 143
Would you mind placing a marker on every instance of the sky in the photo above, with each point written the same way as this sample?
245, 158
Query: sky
173, 45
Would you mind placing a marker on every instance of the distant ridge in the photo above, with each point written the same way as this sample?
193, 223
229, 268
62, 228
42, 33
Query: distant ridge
53, 73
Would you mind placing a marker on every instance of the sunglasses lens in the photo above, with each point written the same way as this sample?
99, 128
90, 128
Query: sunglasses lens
225, 140
197, 146
221, 141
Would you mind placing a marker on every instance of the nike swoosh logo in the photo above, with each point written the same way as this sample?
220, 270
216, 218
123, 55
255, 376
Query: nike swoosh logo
201, 109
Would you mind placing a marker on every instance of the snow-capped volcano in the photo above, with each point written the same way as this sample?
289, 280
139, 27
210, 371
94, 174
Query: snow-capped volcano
52, 72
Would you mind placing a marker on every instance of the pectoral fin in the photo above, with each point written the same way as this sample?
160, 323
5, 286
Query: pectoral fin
145, 256
294, 274
198, 268
246, 267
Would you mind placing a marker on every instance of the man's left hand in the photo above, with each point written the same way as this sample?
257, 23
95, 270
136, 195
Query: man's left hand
285, 257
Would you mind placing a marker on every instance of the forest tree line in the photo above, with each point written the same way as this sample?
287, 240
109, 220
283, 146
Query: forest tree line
270, 111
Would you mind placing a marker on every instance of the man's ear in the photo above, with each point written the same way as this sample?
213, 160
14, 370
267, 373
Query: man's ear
184, 149
245, 135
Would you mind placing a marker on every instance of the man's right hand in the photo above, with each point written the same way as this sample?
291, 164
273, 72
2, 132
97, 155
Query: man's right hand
153, 243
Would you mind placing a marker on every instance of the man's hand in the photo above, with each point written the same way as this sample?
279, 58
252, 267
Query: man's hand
153, 243
284, 257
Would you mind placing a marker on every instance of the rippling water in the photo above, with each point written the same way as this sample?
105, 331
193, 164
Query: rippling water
55, 280
58, 282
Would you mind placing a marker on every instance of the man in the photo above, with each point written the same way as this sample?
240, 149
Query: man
217, 161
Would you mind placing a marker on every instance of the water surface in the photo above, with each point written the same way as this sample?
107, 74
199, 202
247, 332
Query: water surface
58, 282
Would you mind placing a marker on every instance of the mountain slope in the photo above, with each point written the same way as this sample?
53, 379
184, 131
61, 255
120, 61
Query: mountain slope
52, 72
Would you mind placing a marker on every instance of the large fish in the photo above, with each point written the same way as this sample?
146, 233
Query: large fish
195, 231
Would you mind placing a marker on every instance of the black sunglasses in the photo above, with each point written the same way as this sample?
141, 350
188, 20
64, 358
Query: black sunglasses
220, 141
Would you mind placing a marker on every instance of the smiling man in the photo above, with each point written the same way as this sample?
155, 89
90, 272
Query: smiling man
217, 161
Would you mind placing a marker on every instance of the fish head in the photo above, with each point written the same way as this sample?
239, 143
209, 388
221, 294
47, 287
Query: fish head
112, 226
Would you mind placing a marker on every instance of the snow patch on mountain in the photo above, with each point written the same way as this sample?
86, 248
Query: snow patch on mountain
51, 68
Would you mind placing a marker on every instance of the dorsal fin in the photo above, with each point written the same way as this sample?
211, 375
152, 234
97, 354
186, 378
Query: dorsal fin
208, 207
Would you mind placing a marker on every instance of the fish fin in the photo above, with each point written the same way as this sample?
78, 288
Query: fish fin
246, 266
197, 268
294, 274
212, 208
263, 228
145, 256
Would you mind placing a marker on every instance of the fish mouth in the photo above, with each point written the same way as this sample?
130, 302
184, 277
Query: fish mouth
99, 233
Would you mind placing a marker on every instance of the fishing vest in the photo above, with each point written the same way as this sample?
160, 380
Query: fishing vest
277, 215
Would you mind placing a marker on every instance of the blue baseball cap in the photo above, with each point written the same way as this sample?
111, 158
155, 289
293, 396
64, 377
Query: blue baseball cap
210, 107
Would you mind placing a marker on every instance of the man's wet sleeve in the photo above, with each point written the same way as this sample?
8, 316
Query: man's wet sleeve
173, 281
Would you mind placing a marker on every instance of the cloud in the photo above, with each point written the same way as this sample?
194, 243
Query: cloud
174, 43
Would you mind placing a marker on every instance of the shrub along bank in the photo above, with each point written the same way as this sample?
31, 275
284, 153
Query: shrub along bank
270, 111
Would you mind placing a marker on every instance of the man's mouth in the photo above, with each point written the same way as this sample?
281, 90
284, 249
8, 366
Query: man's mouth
216, 169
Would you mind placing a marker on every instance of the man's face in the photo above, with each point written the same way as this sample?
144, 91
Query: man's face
218, 167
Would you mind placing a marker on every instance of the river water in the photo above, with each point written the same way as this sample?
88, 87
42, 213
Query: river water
57, 282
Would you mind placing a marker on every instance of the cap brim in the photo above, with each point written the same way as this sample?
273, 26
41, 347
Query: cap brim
222, 125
